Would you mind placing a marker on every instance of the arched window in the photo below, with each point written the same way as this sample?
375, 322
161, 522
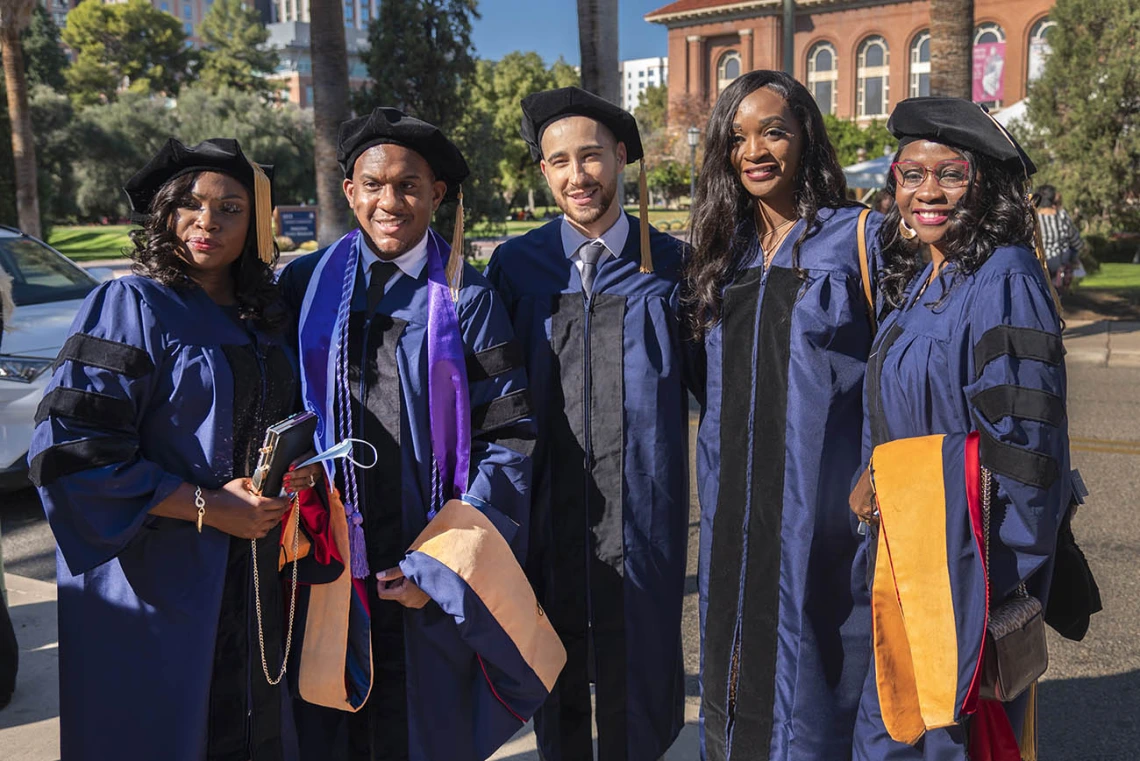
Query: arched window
727, 69
989, 67
874, 72
988, 32
823, 75
920, 65
1039, 47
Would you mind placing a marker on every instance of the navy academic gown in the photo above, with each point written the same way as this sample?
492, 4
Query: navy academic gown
611, 503
982, 360
784, 619
158, 652
418, 709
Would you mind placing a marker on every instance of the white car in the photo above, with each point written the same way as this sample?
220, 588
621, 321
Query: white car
48, 289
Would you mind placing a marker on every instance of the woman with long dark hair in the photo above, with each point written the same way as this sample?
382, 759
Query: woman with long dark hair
776, 294
968, 447
171, 634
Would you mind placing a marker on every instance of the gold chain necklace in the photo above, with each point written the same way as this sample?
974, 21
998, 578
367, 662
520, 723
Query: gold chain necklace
770, 251
292, 598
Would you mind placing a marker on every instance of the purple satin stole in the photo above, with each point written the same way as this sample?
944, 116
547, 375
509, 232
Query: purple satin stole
322, 335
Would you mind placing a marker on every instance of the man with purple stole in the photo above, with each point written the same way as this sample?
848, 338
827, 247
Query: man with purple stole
407, 348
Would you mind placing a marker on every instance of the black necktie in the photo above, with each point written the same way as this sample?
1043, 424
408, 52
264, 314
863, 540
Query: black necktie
590, 254
381, 273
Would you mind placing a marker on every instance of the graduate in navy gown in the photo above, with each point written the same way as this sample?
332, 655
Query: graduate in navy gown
595, 300
407, 347
779, 297
144, 439
967, 373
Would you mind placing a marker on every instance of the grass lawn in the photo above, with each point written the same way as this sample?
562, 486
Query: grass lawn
1113, 275
87, 242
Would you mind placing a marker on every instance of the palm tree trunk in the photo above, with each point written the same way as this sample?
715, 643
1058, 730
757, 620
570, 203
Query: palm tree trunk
598, 45
330, 108
23, 144
952, 48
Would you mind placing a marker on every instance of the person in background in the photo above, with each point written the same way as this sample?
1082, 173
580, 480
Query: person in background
144, 444
967, 376
595, 301
779, 298
1059, 236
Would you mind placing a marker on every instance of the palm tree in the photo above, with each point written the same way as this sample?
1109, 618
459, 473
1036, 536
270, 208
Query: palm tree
952, 48
330, 108
598, 45
15, 15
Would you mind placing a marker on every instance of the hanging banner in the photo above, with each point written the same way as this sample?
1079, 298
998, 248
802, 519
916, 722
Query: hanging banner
989, 72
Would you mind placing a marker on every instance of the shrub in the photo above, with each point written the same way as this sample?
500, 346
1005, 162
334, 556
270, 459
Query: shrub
309, 245
284, 243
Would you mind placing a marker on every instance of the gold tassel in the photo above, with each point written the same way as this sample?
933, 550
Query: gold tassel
643, 191
1039, 249
263, 214
1028, 742
455, 261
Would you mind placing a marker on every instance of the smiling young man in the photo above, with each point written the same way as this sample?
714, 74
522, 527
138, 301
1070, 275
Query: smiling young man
405, 347
595, 299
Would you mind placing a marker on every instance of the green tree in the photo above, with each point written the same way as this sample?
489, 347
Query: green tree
849, 137
670, 179
281, 135
117, 138
131, 43
235, 54
1084, 112
45, 61
420, 57
653, 109
498, 88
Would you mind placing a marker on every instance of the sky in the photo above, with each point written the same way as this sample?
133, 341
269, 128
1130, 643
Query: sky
550, 28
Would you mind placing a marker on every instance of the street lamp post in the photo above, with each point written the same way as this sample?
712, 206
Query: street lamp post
694, 135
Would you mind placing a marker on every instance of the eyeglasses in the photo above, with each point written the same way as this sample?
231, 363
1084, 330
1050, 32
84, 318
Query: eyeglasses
951, 174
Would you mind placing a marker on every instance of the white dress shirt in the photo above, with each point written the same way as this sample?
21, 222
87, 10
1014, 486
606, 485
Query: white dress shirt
410, 263
613, 239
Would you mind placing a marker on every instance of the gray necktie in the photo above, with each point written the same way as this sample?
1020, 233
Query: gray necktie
590, 254
381, 273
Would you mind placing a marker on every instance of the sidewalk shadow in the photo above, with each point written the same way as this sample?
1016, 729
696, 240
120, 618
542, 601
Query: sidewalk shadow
35, 625
1092, 719
1098, 328
36, 697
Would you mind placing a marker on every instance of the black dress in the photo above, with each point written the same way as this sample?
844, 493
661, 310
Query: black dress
245, 710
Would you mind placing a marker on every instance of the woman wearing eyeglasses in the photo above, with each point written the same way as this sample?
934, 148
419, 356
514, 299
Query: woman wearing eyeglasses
778, 298
966, 436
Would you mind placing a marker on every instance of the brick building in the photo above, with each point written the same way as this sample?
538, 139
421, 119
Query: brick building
858, 57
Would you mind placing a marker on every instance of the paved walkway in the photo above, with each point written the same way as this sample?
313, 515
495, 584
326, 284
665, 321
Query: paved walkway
1106, 343
29, 726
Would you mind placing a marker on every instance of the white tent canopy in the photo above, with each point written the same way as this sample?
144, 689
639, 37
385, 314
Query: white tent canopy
868, 175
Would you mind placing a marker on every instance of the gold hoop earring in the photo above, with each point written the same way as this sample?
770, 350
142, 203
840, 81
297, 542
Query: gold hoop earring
905, 230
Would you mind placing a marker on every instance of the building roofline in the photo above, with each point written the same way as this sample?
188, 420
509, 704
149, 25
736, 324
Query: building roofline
739, 7
657, 17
